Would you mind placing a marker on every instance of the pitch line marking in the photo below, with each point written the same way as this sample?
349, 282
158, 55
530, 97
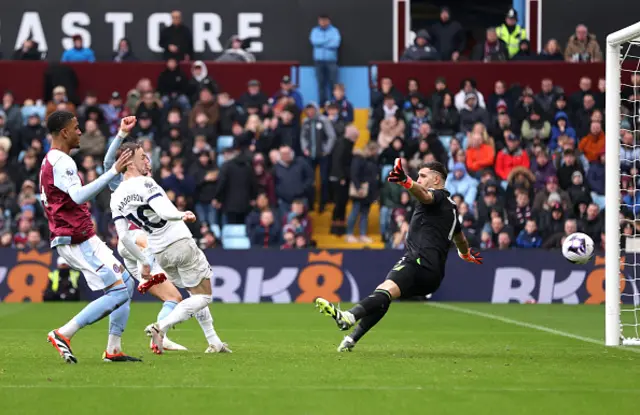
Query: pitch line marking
523, 324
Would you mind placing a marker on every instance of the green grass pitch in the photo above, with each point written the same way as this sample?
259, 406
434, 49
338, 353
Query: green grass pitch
420, 360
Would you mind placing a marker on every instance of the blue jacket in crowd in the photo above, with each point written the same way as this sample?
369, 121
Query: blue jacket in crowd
526, 240
294, 93
293, 181
325, 43
78, 55
467, 186
556, 133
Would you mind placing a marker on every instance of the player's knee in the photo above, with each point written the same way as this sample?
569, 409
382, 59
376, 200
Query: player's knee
120, 294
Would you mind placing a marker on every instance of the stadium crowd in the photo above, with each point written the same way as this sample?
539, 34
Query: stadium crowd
526, 162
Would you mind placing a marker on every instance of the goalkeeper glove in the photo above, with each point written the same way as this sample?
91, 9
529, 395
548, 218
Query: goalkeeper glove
397, 175
471, 256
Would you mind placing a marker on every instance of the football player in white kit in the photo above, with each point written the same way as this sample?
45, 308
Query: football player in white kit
139, 200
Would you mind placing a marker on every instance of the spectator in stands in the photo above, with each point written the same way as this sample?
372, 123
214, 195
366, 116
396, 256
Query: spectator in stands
600, 94
178, 182
480, 153
208, 106
472, 113
30, 132
90, 103
522, 212
501, 125
576, 100
568, 166
459, 182
499, 100
339, 176
229, 113
317, 139
264, 179
578, 191
173, 86
363, 190
446, 119
124, 52
114, 111
525, 53
420, 116
529, 237
511, 33
491, 50
551, 51
542, 168
389, 109
4, 130
547, 96
145, 127
325, 39
287, 89
434, 145
150, 105
12, 111
333, 114
561, 128
59, 95
28, 51
267, 233
344, 105
236, 51
297, 219
92, 141
287, 131
448, 36
593, 224
253, 95
421, 50
583, 115
293, 177
536, 129
552, 220
495, 227
237, 186
78, 53
253, 218
437, 97
468, 86
414, 96
592, 145
582, 47
629, 152
541, 200
596, 180
205, 174
556, 240
200, 79
176, 40
511, 156
504, 241
523, 107
390, 128
386, 88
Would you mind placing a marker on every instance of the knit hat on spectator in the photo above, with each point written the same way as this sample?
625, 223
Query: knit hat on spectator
253, 82
576, 174
420, 107
5, 143
470, 95
553, 198
513, 137
59, 90
458, 167
286, 79
501, 106
552, 179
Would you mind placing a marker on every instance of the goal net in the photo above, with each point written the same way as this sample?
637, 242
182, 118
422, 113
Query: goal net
622, 213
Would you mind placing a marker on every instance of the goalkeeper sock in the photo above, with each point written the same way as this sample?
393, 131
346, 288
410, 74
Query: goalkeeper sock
367, 323
167, 307
205, 319
184, 311
378, 300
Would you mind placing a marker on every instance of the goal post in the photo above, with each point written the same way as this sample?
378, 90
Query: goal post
614, 334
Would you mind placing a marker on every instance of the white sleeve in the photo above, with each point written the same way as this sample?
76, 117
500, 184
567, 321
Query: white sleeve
164, 208
65, 178
122, 227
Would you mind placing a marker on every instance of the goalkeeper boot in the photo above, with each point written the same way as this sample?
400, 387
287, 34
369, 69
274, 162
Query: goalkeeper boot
222, 348
157, 337
118, 357
344, 320
62, 346
346, 345
170, 345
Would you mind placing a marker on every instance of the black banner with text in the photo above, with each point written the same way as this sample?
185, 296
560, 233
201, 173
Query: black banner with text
280, 28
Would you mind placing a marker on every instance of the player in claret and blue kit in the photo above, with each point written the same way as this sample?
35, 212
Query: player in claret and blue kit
64, 198
433, 226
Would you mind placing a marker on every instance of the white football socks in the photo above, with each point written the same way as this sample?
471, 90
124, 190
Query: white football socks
184, 311
69, 329
205, 319
114, 344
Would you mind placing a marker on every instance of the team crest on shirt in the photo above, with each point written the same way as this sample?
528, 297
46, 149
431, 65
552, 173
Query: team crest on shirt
117, 268
150, 185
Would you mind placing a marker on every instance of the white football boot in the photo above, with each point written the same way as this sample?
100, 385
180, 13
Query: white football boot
222, 348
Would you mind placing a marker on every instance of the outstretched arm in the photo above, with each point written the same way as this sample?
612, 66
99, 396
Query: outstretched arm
164, 208
397, 175
110, 158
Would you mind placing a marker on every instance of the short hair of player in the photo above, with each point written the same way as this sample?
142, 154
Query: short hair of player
58, 120
435, 166
131, 145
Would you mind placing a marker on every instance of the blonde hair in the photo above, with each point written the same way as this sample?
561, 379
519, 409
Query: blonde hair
254, 120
